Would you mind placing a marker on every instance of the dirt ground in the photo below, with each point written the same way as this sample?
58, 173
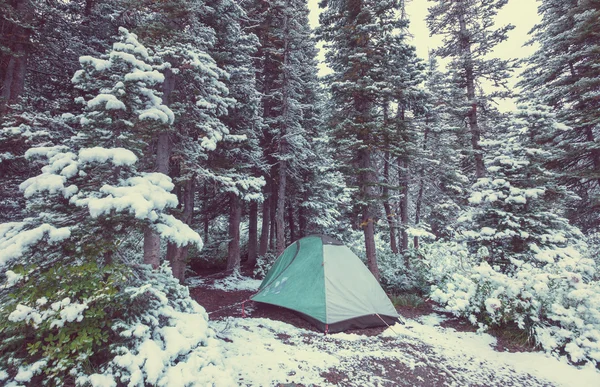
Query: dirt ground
220, 304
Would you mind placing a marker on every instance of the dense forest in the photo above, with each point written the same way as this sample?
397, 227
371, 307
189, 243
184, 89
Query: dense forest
141, 140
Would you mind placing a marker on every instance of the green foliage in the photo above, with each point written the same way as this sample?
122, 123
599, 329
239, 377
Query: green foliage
410, 300
69, 315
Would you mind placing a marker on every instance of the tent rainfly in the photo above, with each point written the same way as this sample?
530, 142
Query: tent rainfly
328, 284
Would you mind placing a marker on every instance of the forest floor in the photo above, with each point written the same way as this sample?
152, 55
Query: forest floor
273, 346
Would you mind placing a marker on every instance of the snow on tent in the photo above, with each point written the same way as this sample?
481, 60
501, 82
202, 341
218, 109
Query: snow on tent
328, 284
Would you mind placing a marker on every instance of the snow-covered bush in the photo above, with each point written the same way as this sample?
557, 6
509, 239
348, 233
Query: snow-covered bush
263, 264
525, 263
395, 276
554, 303
163, 338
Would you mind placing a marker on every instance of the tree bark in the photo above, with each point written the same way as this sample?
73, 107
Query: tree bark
178, 255
151, 237
252, 234
266, 226
403, 171
233, 249
13, 73
386, 204
366, 182
465, 45
291, 224
389, 214
418, 210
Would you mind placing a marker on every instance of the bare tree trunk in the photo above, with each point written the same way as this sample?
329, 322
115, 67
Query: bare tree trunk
266, 227
273, 230
403, 171
151, 237
13, 73
389, 214
206, 219
366, 181
419, 202
252, 234
163, 154
301, 222
465, 46
178, 255
233, 249
291, 222
280, 211
418, 211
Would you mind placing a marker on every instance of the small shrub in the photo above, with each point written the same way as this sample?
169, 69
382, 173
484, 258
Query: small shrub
263, 264
407, 300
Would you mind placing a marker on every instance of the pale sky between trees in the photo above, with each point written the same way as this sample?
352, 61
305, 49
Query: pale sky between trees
521, 13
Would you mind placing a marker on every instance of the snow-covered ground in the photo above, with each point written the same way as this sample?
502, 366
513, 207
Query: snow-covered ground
264, 352
230, 283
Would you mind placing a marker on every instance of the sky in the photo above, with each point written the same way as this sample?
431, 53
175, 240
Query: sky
521, 13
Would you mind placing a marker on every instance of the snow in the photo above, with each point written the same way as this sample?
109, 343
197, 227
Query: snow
234, 282
98, 64
142, 196
145, 76
108, 101
15, 239
458, 347
28, 371
44, 182
174, 230
102, 381
263, 352
118, 156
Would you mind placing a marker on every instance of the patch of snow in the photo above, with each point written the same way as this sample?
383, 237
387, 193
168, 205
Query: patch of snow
236, 282
467, 350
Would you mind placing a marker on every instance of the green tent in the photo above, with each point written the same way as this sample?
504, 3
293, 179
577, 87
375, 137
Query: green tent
328, 284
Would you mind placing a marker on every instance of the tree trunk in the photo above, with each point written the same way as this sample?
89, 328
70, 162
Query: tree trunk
366, 181
465, 46
418, 210
252, 234
178, 255
273, 229
389, 214
301, 222
12, 74
280, 211
206, 219
151, 247
163, 155
291, 224
151, 237
419, 202
403, 171
266, 226
233, 249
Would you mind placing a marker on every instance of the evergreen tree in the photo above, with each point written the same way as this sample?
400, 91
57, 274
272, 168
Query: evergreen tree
563, 74
347, 29
469, 36
83, 209
517, 210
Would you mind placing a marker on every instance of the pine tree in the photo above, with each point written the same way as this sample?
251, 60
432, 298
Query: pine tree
74, 251
517, 213
469, 36
563, 74
353, 32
